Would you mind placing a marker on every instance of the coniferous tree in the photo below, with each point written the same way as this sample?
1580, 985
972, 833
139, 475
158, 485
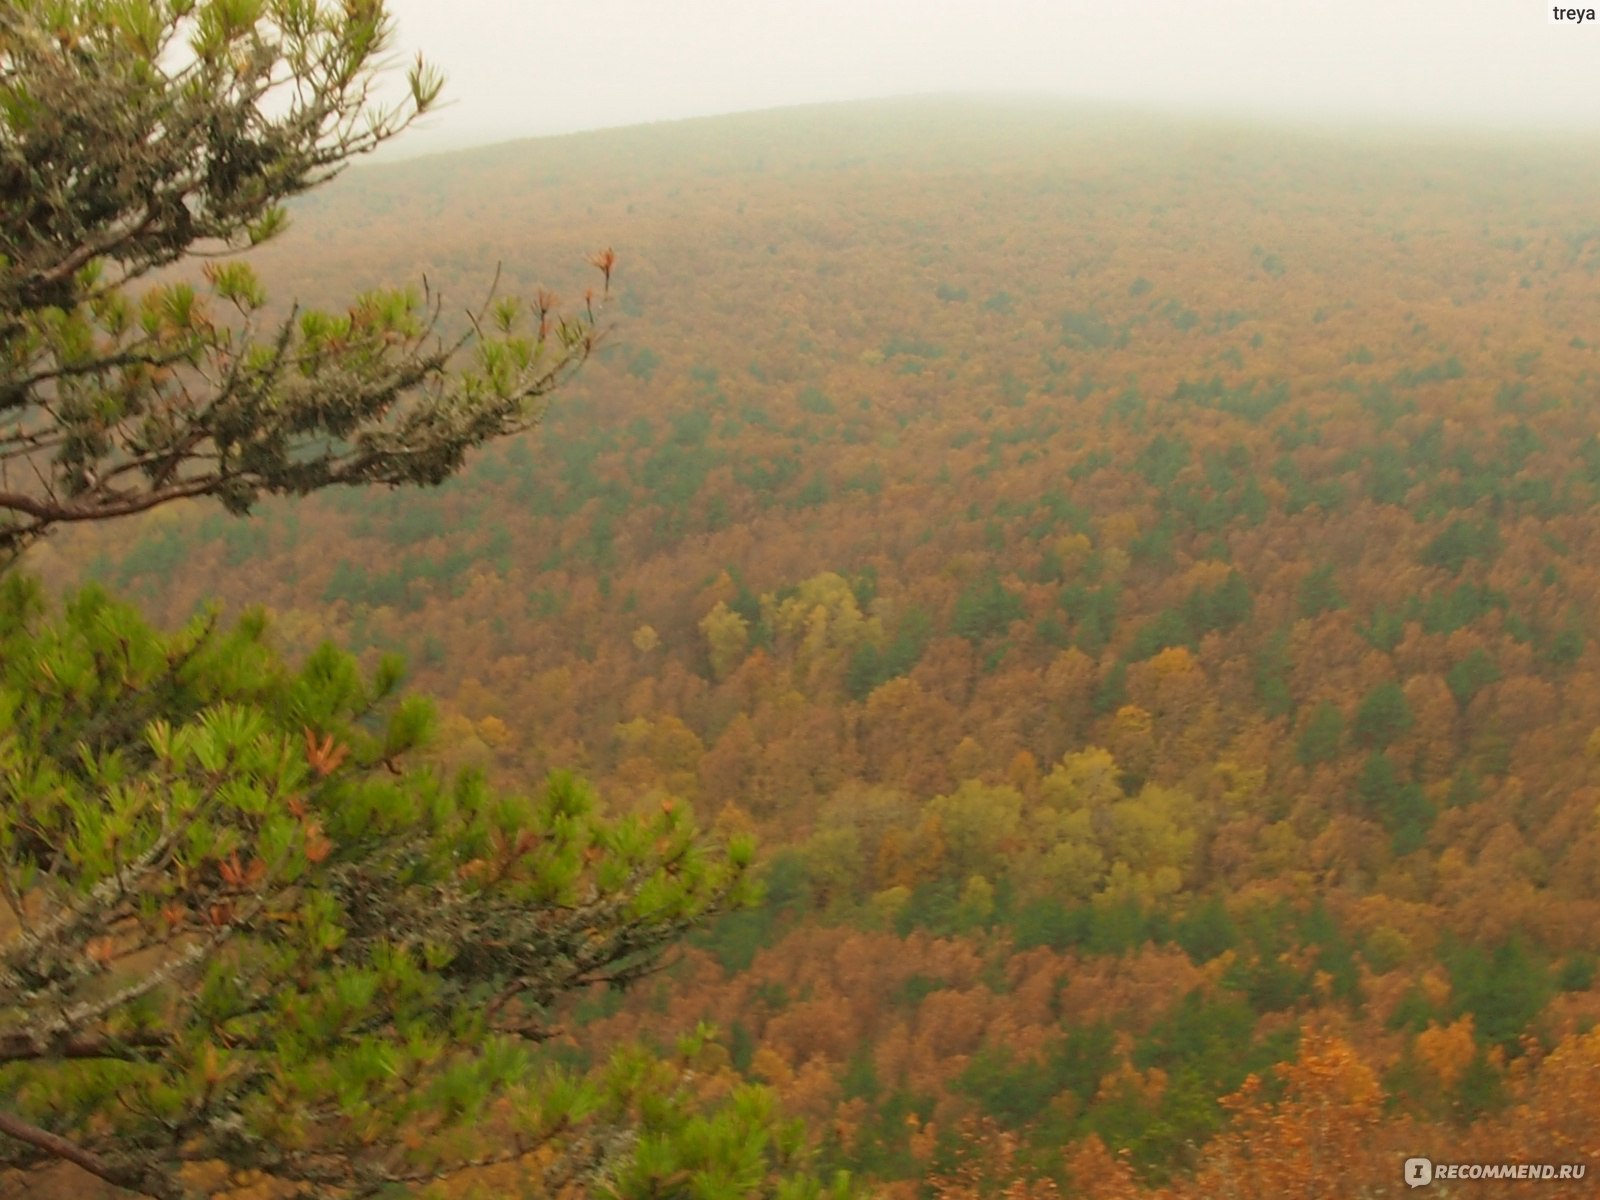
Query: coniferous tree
135, 135
242, 922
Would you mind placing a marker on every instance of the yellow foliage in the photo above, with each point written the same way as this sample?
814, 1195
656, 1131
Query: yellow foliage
821, 622
967, 758
1114, 564
1280, 849
1073, 548
663, 752
1086, 779
1387, 948
1153, 830
980, 820
888, 903
1119, 529
1447, 1050
1123, 885
833, 860
1131, 719
1072, 870
1022, 772
1173, 661
977, 899
828, 592
727, 635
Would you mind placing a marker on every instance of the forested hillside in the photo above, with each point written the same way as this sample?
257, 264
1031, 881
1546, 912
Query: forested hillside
1139, 580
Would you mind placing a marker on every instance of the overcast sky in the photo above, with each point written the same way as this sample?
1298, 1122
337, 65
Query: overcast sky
523, 67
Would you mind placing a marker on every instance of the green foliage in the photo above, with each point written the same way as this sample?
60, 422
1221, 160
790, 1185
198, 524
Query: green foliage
1161, 460
1207, 1047
1504, 989
1335, 953
643, 363
1414, 1012
736, 938
1319, 593
194, 822
1112, 691
1206, 931
1221, 608
1272, 668
683, 1143
783, 888
1566, 648
1128, 408
1012, 1093
1389, 478
1383, 404
1205, 610
1094, 612
1088, 464
1049, 922
934, 906
121, 159
872, 665
1120, 928
911, 347
1471, 675
1481, 1088
1089, 331
1302, 494
815, 400
883, 1147
1245, 402
1444, 370
675, 471
1402, 807
1016, 1094
1384, 715
1578, 972
1385, 629
985, 609
1460, 542
1170, 628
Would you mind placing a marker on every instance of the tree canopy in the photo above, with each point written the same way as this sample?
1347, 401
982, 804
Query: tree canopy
245, 926
244, 922
137, 135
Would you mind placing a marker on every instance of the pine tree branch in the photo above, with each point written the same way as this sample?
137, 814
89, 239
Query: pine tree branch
147, 1182
24, 1047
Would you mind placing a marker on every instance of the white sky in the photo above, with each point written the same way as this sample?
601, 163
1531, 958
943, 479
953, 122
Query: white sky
524, 67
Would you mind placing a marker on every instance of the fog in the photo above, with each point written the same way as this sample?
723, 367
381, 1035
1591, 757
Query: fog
529, 67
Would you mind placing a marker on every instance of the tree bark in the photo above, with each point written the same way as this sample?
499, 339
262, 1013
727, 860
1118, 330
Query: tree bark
146, 1183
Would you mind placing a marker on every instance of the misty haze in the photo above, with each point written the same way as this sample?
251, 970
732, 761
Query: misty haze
1008, 607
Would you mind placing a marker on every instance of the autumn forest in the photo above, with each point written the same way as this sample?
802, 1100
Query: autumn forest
1137, 580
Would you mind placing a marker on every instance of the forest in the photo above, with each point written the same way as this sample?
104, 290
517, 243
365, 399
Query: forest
1136, 580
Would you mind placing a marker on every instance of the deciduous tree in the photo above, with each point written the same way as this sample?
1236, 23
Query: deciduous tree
242, 922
